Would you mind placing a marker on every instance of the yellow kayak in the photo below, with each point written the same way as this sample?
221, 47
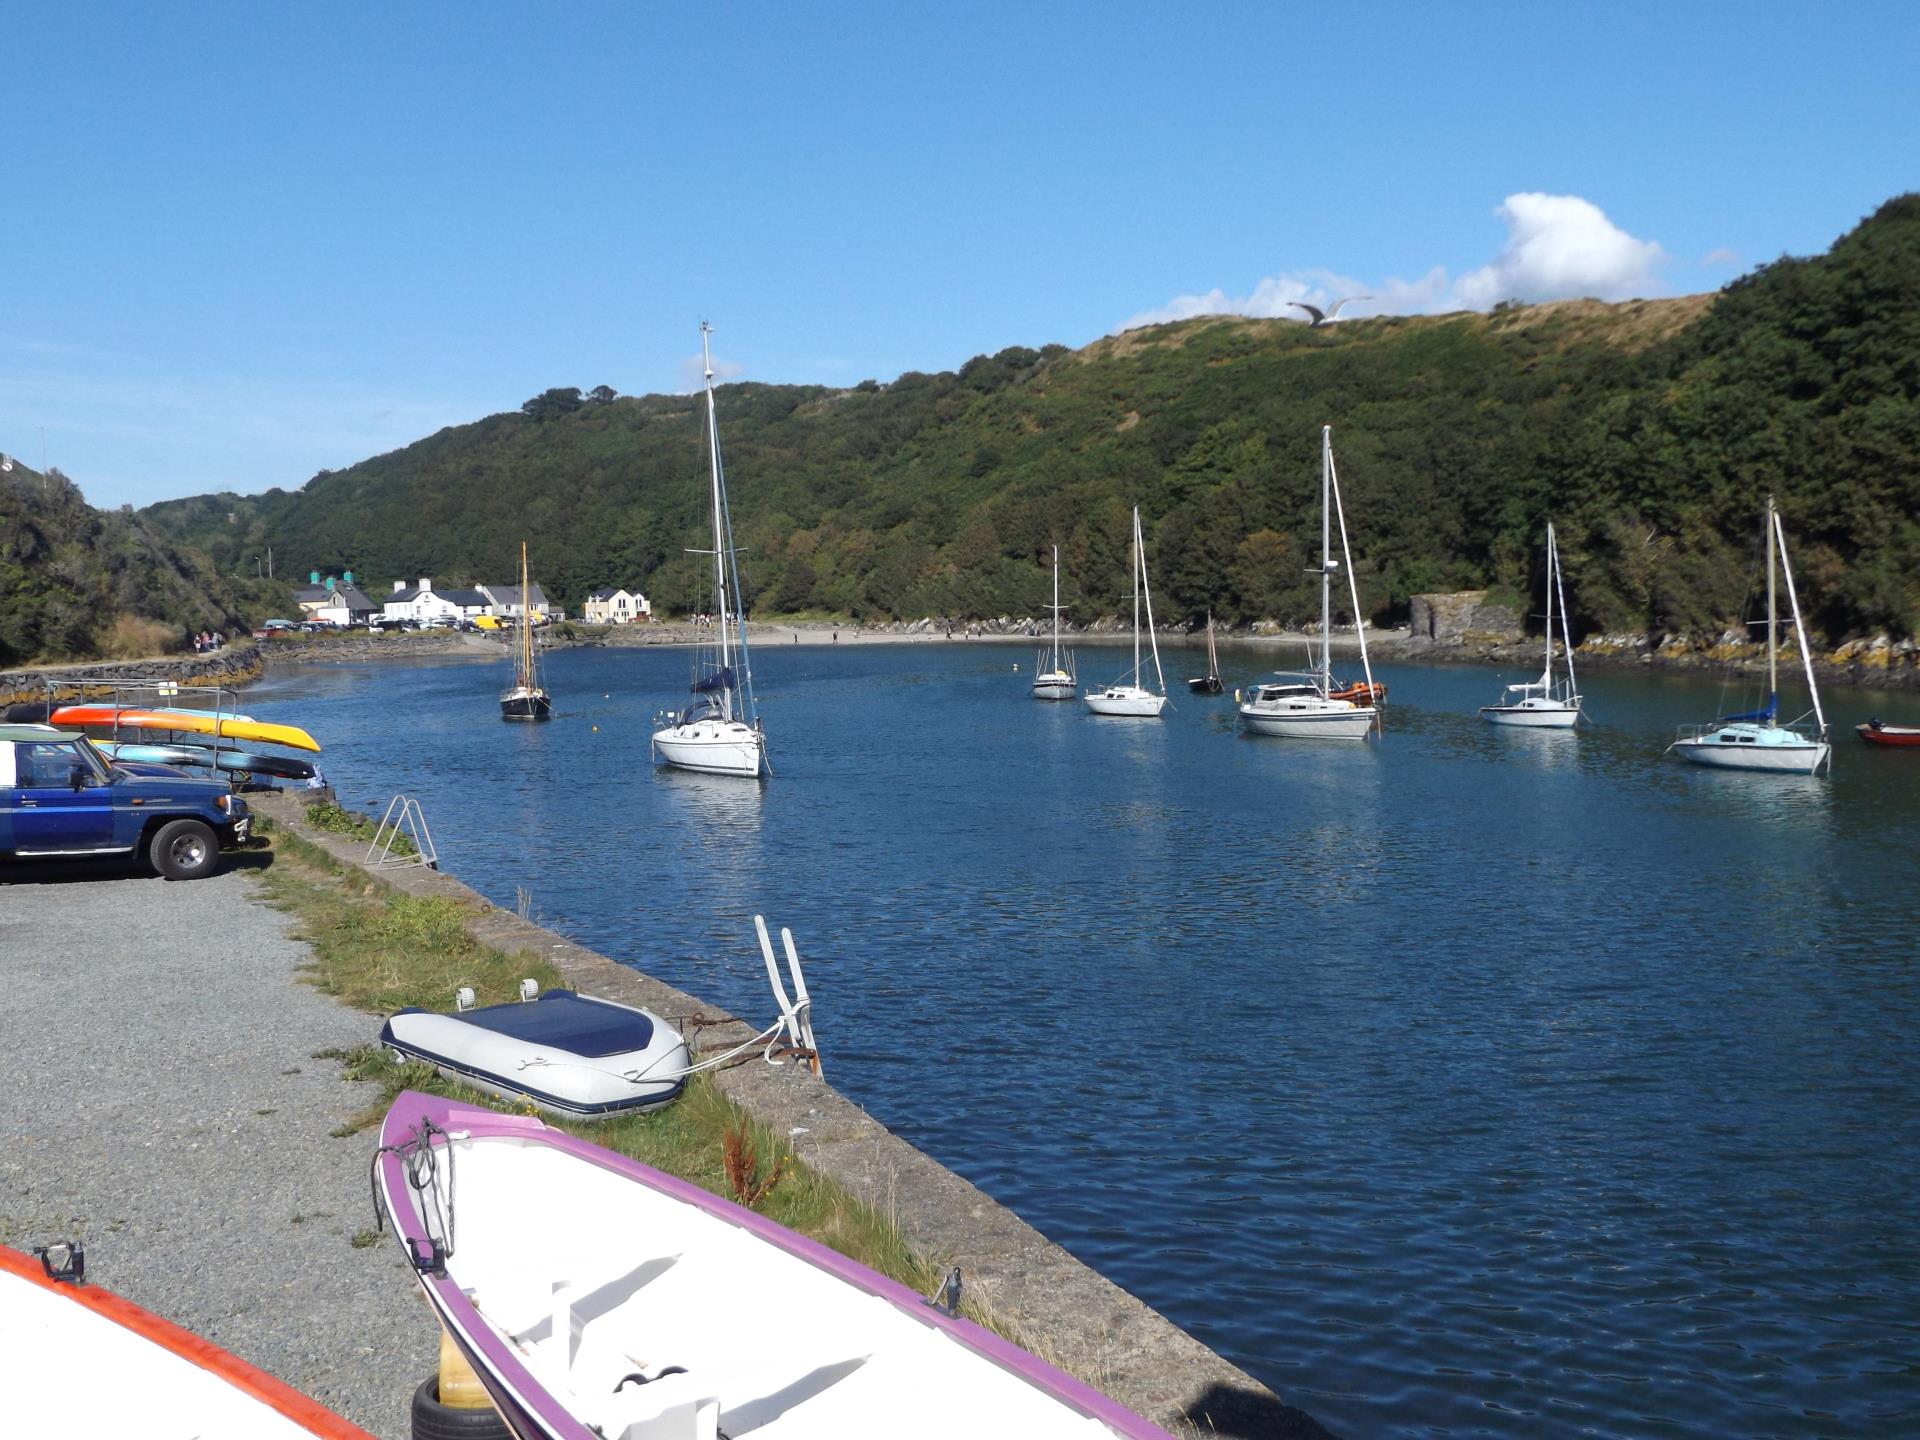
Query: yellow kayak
185, 722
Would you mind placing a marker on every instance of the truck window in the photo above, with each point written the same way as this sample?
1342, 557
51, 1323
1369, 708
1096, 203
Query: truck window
44, 766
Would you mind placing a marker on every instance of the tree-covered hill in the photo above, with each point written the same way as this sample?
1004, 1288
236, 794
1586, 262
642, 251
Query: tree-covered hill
1649, 431
76, 582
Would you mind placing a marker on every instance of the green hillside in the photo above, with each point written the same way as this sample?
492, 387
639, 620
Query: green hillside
76, 582
1649, 431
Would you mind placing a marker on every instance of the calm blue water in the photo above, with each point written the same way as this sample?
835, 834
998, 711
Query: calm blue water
1471, 1082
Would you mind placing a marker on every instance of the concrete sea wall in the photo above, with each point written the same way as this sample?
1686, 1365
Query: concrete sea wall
235, 665
1062, 1309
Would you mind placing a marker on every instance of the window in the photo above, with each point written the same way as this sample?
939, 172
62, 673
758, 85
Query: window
43, 766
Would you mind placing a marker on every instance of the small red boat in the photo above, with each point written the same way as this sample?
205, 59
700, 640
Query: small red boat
1361, 692
1875, 733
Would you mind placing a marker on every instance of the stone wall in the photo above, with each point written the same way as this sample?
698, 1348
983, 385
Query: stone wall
235, 665
1465, 617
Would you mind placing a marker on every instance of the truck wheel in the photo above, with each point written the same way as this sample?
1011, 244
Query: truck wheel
434, 1421
183, 850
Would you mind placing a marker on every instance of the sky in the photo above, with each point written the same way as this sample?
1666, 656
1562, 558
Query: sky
243, 243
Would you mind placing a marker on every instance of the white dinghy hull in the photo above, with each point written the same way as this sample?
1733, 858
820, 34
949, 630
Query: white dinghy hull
1310, 719
1535, 715
595, 1296
569, 1054
1127, 701
1752, 747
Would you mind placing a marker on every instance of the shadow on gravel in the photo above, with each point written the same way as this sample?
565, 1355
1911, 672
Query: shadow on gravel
1251, 1415
120, 868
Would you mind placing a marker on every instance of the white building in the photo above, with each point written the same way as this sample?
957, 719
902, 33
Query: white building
423, 603
617, 607
505, 602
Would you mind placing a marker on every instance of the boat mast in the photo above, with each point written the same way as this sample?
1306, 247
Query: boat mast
1778, 533
1326, 559
1548, 693
1153, 638
526, 624
1353, 581
1136, 594
1056, 609
1773, 682
1566, 631
719, 528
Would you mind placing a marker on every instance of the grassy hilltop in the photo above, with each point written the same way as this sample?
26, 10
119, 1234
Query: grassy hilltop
1649, 431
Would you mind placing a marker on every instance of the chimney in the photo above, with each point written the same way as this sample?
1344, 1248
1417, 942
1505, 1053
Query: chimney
329, 584
313, 577
426, 582
347, 579
398, 586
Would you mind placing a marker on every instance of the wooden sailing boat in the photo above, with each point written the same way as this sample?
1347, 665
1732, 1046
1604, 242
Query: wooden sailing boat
1209, 683
719, 733
1757, 741
1541, 704
1053, 679
1311, 704
1129, 697
524, 699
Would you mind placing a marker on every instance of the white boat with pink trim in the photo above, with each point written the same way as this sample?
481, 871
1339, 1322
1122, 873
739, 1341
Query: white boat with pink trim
599, 1299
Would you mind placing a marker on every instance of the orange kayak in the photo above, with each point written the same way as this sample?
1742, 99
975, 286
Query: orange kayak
185, 722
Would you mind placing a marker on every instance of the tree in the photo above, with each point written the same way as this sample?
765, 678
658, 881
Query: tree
552, 404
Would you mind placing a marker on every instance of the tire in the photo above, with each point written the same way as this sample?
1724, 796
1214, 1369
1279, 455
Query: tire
183, 850
434, 1421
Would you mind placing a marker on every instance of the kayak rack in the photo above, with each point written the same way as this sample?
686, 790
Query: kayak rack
403, 821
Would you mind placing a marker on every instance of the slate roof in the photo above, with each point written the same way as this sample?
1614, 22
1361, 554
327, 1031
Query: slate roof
510, 594
354, 596
404, 597
463, 598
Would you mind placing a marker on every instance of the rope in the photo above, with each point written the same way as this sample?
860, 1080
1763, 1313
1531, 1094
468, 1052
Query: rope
416, 1154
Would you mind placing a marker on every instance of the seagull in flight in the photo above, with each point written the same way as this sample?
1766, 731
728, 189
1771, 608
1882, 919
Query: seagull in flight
1324, 317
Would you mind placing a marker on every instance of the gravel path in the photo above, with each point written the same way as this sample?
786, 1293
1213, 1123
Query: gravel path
163, 1103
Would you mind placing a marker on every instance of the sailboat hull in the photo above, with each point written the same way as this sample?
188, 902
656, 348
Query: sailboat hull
1055, 685
1310, 720
1769, 749
1553, 716
713, 748
1127, 702
527, 705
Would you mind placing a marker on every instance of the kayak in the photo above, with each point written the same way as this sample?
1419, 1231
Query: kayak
243, 762
84, 1361
595, 1296
1875, 733
186, 723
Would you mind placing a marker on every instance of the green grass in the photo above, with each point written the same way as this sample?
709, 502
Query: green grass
340, 821
377, 949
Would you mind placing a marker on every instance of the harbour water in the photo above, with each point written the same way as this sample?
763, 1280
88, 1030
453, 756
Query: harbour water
1469, 1081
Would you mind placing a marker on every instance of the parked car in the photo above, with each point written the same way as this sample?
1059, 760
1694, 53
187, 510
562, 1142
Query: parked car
272, 627
60, 797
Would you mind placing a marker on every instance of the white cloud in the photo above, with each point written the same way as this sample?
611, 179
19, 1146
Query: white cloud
1723, 256
693, 373
1558, 247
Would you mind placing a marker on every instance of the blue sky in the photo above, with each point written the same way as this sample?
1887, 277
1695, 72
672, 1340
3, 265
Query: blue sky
243, 243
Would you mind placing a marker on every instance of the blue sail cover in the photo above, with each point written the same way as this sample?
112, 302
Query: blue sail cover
713, 684
1758, 717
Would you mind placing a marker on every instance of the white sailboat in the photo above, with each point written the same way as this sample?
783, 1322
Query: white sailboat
1055, 681
719, 733
1758, 741
1541, 704
1311, 704
1129, 697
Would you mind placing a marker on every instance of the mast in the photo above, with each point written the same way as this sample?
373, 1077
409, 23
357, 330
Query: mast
525, 657
1136, 594
1326, 559
1153, 638
1778, 533
1056, 608
719, 527
1353, 581
1549, 669
1773, 681
1559, 587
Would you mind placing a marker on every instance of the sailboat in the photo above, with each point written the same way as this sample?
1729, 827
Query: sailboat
1311, 704
719, 732
525, 700
1541, 703
1758, 741
1056, 681
1209, 683
1128, 697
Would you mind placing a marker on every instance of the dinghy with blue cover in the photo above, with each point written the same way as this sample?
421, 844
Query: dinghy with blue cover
569, 1054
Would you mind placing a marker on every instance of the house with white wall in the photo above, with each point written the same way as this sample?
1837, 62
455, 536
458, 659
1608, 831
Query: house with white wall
611, 606
422, 602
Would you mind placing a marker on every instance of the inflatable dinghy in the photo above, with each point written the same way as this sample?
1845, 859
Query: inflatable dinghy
86, 1362
569, 1054
596, 1296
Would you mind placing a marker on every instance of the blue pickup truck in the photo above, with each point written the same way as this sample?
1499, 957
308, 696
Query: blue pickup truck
61, 797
